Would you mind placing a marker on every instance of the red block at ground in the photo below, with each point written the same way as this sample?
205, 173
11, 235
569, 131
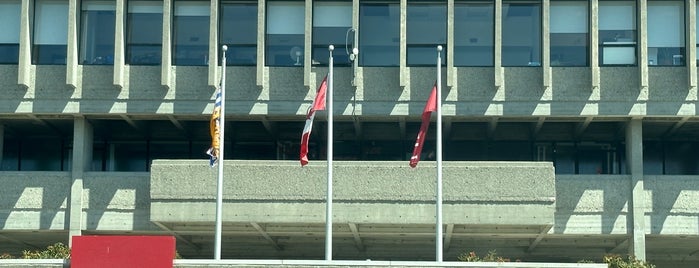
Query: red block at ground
122, 251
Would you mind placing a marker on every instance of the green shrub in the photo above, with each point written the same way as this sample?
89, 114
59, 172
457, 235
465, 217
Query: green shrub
617, 261
492, 256
6, 256
55, 251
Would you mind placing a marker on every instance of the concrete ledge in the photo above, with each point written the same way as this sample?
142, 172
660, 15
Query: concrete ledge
316, 263
24, 263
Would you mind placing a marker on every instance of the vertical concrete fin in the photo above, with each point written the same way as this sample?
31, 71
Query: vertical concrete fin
451, 71
642, 54
546, 45
213, 45
261, 25
594, 40
72, 50
166, 60
25, 57
403, 72
119, 42
499, 71
308, 43
690, 44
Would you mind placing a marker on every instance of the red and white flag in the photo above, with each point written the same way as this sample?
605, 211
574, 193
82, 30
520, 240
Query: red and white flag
430, 107
318, 105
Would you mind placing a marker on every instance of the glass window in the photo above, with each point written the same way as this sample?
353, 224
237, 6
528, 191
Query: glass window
617, 32
569, 33
239, 32
697, 33
681, 158
285, 30
379, 34
50, 32
665, 33
521, 34
43, 154
191, 33
474, 27
331, 26
144, 34
97, 35
426, 28
9, 37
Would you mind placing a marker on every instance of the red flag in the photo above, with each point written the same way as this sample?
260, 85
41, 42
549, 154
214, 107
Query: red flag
430, 107
318, 105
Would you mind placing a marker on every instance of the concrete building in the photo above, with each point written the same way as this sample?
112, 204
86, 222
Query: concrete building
570, 127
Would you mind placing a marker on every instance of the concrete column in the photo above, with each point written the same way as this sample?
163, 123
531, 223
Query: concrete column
691, 41
261, 25
355, 64
546, 43
82, 157
72, 52
451, 71
594, 43
2, 142
213, 45
119, 43
25, 44
642, 22
634, 163
308, 42
499, 71
166, 60
403, 43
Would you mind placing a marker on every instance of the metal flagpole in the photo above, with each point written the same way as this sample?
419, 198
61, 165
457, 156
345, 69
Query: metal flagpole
329, 203
438, 226
219, 183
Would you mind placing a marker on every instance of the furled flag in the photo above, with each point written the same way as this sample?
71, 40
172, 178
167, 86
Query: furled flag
430, 107
214, 128
318, 105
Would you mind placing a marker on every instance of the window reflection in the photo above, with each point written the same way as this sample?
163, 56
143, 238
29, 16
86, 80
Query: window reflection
569, 34
191, 43
97, 32
473, 34
379, 34
666, 33
426, 28
285, 33
331, 24
521, 34
239, 32
9, 37
617, 32
50, 32
144, 33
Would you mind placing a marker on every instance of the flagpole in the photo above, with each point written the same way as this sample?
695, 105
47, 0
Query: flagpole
329, 204
438, 226
219, 182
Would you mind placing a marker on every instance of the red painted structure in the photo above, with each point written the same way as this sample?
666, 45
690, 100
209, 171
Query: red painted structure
122, 251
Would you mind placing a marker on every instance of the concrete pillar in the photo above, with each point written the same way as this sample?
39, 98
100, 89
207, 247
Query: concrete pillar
72, 52
403, 72
213, 78
499, 71
642, 22
166, 60
308, 42
2, 142
261, 25
25, 55
594, 43
119, 43
81, 162
690, 44
545, 44
634, 163
451, 71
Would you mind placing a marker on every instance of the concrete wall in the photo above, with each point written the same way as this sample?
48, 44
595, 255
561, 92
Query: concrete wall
378, 92
364, 192
118, 201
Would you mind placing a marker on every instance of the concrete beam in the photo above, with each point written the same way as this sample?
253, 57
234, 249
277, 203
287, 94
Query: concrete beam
582, 126
357, 239
176, 235
358, 129
676, 127
448, 235
539, 237
175, 122
492, 125
401, 126
265, 235
18, 242
622, 245
537, 126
